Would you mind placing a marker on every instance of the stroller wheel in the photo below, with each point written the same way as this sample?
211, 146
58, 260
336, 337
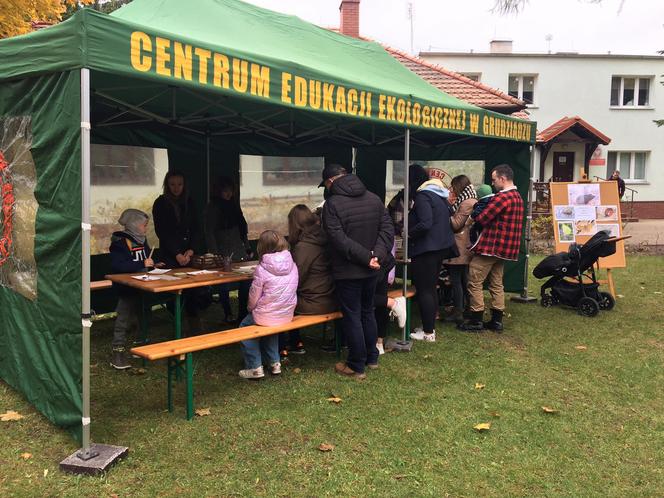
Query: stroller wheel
546, 301
588, 306
607, 302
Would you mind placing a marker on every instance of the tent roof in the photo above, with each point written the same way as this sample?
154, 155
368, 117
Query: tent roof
252, 57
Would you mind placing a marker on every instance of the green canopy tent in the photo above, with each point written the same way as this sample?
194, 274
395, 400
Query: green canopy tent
209, 79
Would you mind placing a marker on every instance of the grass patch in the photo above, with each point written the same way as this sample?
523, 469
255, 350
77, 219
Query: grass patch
406, 430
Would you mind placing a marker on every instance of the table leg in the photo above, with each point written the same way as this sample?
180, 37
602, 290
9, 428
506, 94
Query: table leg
408, 315
178, 315
170, 366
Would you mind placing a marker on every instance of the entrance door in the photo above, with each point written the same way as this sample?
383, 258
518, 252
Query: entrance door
563, 166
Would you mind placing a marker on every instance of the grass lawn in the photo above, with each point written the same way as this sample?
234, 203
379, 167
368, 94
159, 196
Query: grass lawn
406, 430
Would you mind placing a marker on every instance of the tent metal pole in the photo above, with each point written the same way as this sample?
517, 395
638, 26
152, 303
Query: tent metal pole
524, 297
406, 204
85, 453
91, 459
207, 165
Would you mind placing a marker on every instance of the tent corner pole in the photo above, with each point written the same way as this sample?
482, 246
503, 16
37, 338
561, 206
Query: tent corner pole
406, 204
85, 260
207, 165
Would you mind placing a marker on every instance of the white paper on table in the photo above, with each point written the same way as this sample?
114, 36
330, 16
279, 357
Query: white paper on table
169, 277
146, 277
246, 269
201, 272
159, 271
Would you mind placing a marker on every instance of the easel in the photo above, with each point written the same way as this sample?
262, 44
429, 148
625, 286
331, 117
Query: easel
608, 191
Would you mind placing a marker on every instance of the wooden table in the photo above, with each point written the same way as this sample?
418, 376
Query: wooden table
185, 282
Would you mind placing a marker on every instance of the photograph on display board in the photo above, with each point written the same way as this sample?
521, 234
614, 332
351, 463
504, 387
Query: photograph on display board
613, 228
585, 227
583, 194
564, 212
566, 231
607, 213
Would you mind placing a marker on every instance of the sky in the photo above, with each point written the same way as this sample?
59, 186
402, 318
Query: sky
464, 25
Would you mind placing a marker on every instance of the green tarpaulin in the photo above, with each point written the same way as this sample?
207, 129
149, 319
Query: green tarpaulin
188, 74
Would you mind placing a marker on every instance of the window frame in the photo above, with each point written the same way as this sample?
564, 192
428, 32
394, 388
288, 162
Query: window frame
632, 165
637, 82
471, 74
521, 76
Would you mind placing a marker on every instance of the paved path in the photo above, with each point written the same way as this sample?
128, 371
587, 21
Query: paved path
649, 232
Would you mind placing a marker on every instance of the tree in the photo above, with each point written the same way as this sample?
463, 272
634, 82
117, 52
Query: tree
105, 6
16, 15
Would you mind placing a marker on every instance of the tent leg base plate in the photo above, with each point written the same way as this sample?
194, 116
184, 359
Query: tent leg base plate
106, 456
399, 346
523, 299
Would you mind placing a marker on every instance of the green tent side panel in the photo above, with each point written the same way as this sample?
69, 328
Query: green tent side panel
493, 153
40, 340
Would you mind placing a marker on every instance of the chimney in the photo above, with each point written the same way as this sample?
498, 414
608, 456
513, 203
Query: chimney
500, 47
350, 18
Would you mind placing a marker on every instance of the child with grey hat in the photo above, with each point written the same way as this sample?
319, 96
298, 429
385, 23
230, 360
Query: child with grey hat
130, 253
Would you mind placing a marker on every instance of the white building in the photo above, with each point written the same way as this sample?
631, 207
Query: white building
619, 95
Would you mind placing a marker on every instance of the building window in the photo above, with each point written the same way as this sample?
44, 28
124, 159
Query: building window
630, 91
472, 76
522, 87
632, 165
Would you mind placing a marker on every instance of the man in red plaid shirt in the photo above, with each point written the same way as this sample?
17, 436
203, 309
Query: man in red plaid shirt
501, 221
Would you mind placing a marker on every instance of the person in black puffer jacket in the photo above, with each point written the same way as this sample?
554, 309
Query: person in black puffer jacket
361, 235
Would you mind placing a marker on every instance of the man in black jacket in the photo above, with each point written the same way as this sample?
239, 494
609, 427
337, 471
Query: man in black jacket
361, 233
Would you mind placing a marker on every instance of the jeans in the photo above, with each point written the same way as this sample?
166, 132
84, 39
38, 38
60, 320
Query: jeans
128, 309
459, 278
257, 350
356, 300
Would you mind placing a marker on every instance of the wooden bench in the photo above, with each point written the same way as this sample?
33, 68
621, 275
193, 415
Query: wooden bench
178, 352
100, 285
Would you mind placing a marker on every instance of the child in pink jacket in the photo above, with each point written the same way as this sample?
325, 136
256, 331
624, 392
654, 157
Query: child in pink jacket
272, 300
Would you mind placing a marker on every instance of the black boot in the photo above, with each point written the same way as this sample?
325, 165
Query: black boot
474, 323
195, 326
496, 322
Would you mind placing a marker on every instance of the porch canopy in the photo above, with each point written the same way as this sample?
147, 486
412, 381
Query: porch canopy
209, 80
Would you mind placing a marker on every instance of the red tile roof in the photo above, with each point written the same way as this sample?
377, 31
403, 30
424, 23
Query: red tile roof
576, 125
459, 86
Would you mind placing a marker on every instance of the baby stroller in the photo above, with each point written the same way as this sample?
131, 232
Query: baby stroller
577, 263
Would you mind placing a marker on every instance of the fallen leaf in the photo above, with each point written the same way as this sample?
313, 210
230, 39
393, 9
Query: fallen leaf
581, 347
26, 456
324, 447
334, 399
657, 292
297, 370
427, 356
479, 386
620, 296
10, 415
494, 414
548, 409
398, 477
45, 472
482, 427
138, 371
409, 431
203, 412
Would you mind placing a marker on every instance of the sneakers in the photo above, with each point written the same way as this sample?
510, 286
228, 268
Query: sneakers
119, 359
298, 348
380, 347
254, 373
275, 368
399, 311
419, 335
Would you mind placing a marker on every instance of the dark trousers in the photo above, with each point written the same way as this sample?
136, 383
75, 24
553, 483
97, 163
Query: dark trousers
356, 300
459, 279
289, 339
381, 311
128, 309
425, 268
242, 297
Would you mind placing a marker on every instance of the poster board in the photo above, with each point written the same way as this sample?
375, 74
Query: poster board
580, 209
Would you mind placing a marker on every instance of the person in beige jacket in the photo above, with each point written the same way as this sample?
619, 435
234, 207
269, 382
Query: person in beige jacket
465, 200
